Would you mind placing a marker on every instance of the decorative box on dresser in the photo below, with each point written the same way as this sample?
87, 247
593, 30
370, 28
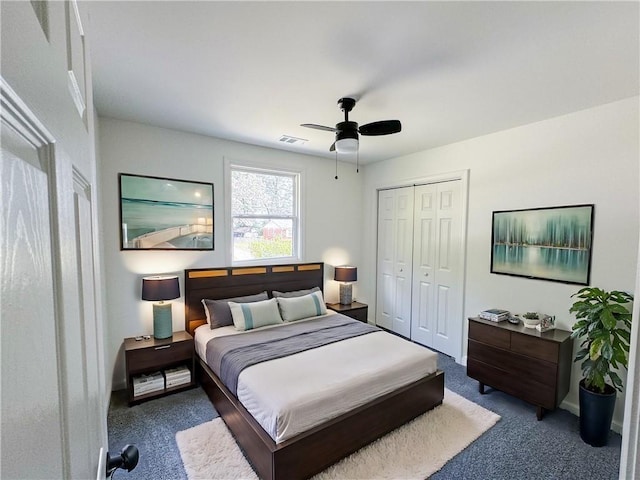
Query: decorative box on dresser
531, 365
354, 310
150, 355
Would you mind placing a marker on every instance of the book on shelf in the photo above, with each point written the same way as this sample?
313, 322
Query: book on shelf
178, 381
177, 372
495, 314
177, 376
152, 382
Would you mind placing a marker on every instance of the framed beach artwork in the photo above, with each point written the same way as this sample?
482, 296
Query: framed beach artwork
165, 214
544, 243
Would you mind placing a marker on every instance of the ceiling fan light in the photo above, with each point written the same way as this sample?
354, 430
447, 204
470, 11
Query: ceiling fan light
347, 145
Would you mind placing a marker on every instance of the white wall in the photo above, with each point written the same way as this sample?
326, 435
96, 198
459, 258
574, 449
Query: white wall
332, 216
589, 156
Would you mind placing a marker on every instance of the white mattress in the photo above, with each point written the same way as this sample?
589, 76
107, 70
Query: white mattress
290, 395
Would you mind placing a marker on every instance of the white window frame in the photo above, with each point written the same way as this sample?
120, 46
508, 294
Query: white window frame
258, 167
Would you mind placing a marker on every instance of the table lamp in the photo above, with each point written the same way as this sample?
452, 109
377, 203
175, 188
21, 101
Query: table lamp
158, 289
345, 274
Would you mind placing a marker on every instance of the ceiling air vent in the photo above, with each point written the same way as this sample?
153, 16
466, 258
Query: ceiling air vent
288, 139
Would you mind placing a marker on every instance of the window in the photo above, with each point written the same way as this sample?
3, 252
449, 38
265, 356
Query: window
264, 214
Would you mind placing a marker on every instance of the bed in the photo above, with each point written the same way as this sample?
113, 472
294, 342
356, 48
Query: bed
300, 450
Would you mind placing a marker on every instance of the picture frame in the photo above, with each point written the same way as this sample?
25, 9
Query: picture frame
546, 243
158, 213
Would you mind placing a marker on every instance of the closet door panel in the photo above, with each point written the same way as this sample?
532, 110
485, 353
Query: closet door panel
395, 251
448, 273
385, 297
424, 263
403, 260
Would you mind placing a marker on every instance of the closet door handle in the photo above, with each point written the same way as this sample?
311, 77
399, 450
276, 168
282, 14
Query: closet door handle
426, 274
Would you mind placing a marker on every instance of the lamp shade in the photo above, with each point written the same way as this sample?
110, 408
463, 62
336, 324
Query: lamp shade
160, 288
346, 273
347, 145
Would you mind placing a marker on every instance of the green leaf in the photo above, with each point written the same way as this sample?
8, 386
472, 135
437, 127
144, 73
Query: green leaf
608, 320
616, 380
581, 354
617, 308
594, 351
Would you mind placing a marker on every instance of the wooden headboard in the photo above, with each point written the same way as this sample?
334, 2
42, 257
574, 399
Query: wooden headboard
228, 282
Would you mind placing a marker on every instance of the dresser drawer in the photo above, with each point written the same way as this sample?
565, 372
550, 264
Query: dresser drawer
514, 384
534, 347
489, 334
158, 356
538, 371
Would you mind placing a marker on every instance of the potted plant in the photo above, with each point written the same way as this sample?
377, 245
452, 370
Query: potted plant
531, 319
604, 324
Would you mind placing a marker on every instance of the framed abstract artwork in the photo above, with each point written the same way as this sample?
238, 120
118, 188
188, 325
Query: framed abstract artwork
165, 214
551, 243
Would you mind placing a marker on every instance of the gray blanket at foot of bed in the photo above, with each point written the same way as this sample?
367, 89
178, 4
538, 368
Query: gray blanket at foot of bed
229, 355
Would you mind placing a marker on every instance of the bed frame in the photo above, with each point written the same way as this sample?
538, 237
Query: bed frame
313, 451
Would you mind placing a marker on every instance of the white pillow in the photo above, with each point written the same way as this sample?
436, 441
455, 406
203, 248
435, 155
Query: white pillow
296, 308
247, 316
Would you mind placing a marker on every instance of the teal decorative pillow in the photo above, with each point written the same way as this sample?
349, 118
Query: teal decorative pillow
296, 308
247, 316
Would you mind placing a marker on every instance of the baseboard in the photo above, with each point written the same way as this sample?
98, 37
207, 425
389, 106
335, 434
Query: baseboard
575, 409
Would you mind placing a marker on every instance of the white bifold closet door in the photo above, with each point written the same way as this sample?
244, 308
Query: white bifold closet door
419, 281
436, 307
395, 245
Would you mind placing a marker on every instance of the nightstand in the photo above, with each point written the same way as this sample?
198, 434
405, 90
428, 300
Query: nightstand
355, 310
146, 357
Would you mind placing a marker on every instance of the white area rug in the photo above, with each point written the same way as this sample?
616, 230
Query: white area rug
417, 449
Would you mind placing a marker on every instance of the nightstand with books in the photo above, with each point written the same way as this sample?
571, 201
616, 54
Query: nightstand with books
155, 368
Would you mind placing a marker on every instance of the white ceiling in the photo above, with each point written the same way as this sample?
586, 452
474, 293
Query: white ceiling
253, 71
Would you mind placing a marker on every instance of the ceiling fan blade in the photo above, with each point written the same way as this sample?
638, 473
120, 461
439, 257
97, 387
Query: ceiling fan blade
383, 127
318, 127
332, 148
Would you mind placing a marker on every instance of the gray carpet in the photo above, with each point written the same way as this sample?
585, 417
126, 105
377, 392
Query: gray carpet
517, 447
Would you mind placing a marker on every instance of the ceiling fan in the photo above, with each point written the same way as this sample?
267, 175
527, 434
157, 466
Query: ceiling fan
347, 131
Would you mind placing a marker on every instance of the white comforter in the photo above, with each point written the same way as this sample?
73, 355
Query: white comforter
290, 395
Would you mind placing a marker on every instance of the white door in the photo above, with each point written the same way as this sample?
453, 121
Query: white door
53, 395
32, 431
424, 253
91, 348
437, 282
395, 240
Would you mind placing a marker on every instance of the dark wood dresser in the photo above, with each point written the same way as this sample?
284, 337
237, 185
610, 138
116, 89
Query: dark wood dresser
523, 362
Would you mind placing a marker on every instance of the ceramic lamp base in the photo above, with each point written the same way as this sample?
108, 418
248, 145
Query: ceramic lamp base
345, 294
162, 323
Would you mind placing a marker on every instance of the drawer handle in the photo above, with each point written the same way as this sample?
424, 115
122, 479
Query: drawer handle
162, 347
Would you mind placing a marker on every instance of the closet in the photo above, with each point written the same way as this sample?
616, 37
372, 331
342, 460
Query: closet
419, 264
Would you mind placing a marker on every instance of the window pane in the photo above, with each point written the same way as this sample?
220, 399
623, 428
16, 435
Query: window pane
262, 194
257, 238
